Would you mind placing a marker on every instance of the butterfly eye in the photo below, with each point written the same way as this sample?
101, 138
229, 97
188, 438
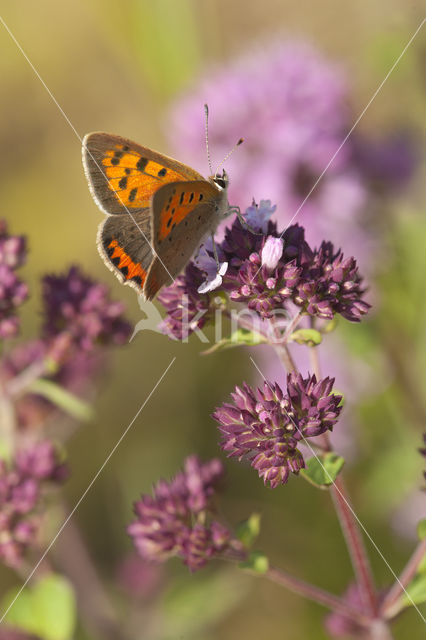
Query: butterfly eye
220, 183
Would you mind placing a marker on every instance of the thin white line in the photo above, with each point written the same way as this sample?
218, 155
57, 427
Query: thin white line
102, 467
306, 442
78, 136
357, 121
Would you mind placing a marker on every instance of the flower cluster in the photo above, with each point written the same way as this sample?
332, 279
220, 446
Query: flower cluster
265, 425
76, 304
13, 292
177, 519
292, 105
79, 322
187, 309
268, 272
21, 484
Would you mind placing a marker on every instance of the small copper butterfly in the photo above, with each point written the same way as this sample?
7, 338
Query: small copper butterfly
159, 210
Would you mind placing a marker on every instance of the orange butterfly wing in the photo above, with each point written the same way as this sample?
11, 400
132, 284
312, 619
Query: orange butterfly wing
123, 175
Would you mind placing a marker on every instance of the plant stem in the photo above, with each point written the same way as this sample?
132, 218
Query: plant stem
281, 348
285, 357
355, 544
388, 609
292, 325
305, 589
349, 524
314, 358
310, 591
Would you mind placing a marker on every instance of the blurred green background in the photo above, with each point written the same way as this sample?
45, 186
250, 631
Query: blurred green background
116, 66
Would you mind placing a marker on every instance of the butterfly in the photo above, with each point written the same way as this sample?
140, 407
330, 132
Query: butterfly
159, 210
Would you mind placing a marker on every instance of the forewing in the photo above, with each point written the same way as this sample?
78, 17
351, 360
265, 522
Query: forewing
124, 243
123, 175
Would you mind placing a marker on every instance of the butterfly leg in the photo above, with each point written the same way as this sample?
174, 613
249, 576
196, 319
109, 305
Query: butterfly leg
244, 223
216, 257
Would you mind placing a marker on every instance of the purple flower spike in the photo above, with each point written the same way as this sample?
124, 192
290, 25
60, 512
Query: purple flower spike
79, 306
331, 284
13, 292
261, 287
21, 486
177, 519
265, 426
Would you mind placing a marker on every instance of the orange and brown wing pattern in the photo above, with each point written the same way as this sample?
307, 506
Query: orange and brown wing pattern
124, 176
124, 243
173, 204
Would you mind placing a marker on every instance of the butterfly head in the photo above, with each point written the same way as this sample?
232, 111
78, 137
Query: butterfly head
220, 181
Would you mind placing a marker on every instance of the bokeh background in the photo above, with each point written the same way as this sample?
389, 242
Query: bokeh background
122, 67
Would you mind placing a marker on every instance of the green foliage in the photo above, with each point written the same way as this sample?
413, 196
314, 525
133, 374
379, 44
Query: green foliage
240, 337
322, 471
248, 531
165, 40
62, 398
415, 591
257, 562
421, 529
46, 609
310, 337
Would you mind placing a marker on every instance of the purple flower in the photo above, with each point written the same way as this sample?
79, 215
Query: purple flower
75, 304
177, 519
187, 309
257, 216
262, 289
21, 485
239, 243
272, 252
206, 262
387, 165
292, 105
266, 426
338, 625
331, 284
13, 292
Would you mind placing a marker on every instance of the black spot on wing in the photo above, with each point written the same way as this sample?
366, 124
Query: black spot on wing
141, 164
132, 194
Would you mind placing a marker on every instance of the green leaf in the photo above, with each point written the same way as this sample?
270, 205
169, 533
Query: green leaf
47, 609
310, 337
321, 471
256, 561
240, 337
248, 531
421, 529
62, 398
416, 590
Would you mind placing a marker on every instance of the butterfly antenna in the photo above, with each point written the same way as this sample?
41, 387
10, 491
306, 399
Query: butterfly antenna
228, 155
206, 111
